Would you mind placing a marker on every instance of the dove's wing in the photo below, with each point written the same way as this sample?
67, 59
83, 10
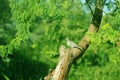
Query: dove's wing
73, 45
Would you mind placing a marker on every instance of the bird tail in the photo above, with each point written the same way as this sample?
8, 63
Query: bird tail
79, 48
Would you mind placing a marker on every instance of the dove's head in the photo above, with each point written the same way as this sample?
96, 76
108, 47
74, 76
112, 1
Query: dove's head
67, 39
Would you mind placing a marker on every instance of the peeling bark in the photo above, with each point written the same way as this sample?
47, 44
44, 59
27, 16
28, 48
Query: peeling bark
67, 56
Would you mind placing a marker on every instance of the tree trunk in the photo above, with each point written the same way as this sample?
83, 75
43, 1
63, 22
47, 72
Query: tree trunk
67, 56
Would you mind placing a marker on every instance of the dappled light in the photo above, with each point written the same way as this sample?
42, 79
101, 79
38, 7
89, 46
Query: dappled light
59, 40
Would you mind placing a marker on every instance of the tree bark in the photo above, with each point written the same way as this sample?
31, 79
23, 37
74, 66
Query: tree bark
67, 56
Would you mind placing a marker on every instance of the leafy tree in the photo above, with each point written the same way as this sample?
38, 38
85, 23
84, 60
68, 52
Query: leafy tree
33, 31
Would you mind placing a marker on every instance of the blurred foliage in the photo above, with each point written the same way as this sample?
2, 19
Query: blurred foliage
31, 33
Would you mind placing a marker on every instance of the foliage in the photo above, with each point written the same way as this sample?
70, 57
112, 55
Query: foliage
31, 32
95, 72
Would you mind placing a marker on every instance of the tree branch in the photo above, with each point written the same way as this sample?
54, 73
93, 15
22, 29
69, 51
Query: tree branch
88, 3
71, 54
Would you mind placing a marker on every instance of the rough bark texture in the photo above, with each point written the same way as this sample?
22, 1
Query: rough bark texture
67, 56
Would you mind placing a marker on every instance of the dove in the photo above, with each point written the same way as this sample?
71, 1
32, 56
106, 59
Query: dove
72, 44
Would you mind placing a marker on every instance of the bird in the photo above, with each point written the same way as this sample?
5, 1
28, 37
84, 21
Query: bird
72, 44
